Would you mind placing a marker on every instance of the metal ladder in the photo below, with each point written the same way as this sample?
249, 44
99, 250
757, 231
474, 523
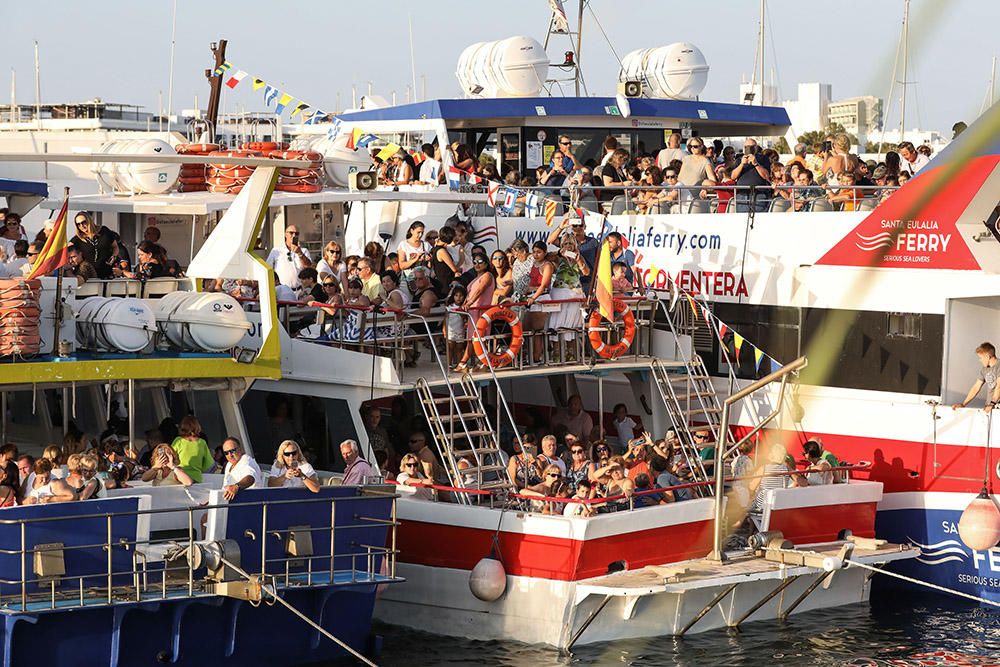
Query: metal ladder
461, 429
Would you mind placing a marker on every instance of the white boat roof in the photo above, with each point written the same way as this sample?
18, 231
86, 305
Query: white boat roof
203, 203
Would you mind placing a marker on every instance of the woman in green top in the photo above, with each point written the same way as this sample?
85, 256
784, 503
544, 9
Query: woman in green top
192, 450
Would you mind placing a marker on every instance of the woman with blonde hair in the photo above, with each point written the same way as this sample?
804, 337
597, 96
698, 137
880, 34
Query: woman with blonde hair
839, 160
82, 477
411, 474
165, 469
291, 470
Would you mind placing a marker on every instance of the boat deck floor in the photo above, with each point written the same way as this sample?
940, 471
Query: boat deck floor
426, 368
65, 599
741, 567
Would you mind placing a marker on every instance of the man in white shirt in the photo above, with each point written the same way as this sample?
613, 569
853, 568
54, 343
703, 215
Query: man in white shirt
915, 160
430, 168
241, 472
287, 261
671, 152
549, 454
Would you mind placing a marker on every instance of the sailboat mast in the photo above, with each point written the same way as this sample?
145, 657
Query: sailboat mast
906, 49
760, 49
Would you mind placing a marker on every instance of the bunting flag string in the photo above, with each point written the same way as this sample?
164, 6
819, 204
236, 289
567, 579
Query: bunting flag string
273, 94
738, 340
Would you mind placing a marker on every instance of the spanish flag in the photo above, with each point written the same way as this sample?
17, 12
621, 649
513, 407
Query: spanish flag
353, 137
54, 253
603, 291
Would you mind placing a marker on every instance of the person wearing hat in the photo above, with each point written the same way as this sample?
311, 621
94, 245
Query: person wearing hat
586, 245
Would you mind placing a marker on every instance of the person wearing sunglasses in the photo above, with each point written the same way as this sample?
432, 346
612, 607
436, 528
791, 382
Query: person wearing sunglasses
97, 245
241, 472
332, 264
412, 474
696, 170
291, 471
289, 258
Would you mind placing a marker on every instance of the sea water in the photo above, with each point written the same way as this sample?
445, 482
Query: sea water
895, 629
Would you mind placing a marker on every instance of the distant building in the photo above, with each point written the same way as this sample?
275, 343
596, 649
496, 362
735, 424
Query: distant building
860, 116
808, 113
932, 138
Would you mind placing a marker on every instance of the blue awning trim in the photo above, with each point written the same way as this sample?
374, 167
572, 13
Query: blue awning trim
555, 107
11, 187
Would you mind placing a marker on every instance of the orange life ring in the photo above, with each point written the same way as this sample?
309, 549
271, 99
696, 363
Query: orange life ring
516, 336
260, 146
224, 181
602, 349
301, 187
197, 149
297, 173
232, 172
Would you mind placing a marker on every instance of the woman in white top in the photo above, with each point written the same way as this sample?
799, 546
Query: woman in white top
290, 470
44, 489
696, 170
413, 250
332, 264
410, 474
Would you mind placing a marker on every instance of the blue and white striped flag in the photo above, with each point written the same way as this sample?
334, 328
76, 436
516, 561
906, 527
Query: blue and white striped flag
315, 118
334, 130
270, 95
531, 205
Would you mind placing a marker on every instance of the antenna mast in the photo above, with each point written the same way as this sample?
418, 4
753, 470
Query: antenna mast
905, 37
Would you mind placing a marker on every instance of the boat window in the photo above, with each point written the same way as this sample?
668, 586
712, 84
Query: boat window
204, 405
903, 325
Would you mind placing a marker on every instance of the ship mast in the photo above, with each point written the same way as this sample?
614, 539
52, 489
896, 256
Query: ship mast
905, 38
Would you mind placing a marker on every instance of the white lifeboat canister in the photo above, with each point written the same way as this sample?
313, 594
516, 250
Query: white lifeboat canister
107, 324
512, 67
206, 322
137, 177
678, 71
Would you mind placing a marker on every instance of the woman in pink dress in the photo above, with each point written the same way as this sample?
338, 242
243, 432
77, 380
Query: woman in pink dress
478, 301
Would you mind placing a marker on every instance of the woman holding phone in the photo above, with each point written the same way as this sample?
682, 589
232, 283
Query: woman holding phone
567, 287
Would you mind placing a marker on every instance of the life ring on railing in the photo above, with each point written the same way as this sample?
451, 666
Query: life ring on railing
516, 336
264, 146
602, 349
196, 148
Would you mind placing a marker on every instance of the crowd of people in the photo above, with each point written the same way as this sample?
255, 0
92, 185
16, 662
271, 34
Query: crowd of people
567, 456
83, 468
674, 178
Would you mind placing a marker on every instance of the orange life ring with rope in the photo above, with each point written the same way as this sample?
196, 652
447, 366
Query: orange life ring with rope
197, 149
506, 357
594, 328
264, 146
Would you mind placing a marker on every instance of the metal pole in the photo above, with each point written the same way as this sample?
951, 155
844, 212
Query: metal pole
170, 80
579, 46
720, 447
131, 412
600, 407
65, 410
906, 48
761, 47
57, 321
3, 416
38, 88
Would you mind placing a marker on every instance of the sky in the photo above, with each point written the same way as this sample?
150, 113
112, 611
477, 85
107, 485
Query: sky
120, 50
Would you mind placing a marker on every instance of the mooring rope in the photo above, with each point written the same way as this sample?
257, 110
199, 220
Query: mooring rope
928, 584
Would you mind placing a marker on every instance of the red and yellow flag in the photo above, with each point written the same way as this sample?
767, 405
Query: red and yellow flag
54, 253
603, 290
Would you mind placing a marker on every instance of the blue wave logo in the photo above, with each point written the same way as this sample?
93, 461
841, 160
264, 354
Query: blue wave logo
940, 552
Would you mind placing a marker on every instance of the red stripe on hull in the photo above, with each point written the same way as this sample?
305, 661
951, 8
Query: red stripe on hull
525, 555
901, 465
821, 524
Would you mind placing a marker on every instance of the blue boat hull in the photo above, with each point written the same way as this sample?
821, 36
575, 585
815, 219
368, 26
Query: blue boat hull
208, 630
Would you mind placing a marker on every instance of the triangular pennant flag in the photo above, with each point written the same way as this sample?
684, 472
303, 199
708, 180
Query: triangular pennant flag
316, 117
270, 95
757, 356
738, 342
258, 84
550, 212
653, 272
707, 314
474, 178
722, 330
352, 138
775, 366
235, 79
299, 108
694, 308
492, 188
283, 101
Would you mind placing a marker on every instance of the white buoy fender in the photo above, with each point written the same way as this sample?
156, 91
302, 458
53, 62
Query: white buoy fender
488, 580
979, 526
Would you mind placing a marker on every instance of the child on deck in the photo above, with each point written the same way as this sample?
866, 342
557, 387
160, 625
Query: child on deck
454, 326
620, 285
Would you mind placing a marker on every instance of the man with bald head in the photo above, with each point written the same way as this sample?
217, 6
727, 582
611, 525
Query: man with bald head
289, 258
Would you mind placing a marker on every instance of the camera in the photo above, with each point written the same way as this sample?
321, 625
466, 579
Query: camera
827, 146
